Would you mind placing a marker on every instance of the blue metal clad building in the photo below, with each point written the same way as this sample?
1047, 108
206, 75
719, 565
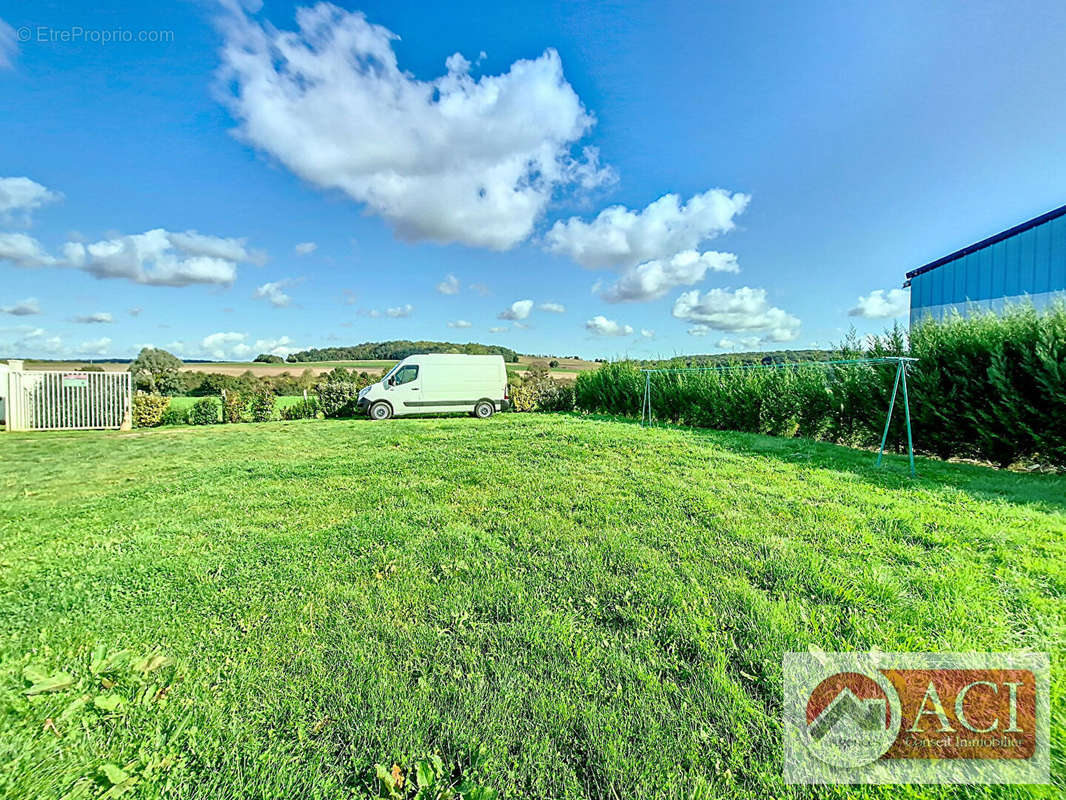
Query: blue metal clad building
1024, 264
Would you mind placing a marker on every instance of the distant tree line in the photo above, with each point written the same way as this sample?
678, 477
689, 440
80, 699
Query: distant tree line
158, 372
719, 359
395, 350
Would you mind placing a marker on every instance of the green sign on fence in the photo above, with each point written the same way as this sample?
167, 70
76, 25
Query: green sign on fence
75, 380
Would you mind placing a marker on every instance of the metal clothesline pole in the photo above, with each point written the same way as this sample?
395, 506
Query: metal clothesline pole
888, 417
907, 409
646, 404
901, 377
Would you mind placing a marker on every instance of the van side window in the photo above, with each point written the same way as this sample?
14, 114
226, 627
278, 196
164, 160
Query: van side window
405, 375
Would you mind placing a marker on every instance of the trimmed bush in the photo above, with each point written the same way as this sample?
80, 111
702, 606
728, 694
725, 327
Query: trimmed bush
175, 416
987, 386
993, 387
234, 406
204, 412
304, 409
523, 398
541, 393
261, 407
338, 398
148, 409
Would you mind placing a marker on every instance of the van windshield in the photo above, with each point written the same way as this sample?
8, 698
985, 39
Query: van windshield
390, 373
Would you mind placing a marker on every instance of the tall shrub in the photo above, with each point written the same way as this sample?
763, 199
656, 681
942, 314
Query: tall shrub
540, 392
338, 398
147, 409
234, 406
985, 386
303, 409
261, 406
204, 411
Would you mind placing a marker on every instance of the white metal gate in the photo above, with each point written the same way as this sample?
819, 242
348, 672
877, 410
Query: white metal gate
67, 400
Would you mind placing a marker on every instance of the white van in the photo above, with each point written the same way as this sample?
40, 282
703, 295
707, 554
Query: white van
439, 383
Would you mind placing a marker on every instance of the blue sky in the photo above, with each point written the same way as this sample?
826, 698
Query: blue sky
598, 179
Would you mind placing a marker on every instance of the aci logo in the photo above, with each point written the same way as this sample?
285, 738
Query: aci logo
916, 717
852, 719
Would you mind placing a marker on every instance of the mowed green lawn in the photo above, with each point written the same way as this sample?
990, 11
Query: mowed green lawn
184, 403
557, 606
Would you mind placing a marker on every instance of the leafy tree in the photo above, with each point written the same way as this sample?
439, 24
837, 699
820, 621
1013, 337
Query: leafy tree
398, 349
538, 371
212, 384
156, 370
269, 358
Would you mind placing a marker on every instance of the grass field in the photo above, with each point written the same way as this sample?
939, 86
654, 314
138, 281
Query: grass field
558, 606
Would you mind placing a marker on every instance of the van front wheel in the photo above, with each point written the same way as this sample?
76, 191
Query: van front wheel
483, 410
380, 410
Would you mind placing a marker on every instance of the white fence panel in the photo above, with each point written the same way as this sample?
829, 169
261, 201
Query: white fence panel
66, 400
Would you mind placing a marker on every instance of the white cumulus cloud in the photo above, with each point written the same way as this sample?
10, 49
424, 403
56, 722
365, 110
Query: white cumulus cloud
23, 251
197, 244
155, 258
552, 308
234, 345
745, 309
455, 159
94, 319
25, 340
450, 285
49, 344
619, 237
273, 292
460, 323
499, 329
162, 258
519, 310
223, 344
396, 312
601, 326
653, 279
95, 347
21, 196
882, 305
743, 343
305, 248
23, 308
281, 346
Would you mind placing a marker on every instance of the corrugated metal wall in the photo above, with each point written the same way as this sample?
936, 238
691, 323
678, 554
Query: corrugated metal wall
1030, 264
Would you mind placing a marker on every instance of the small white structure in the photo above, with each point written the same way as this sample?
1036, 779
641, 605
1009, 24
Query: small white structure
439, 383
41, 400
4, 369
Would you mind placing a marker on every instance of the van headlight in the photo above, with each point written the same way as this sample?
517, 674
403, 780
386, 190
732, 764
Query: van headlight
362, 392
